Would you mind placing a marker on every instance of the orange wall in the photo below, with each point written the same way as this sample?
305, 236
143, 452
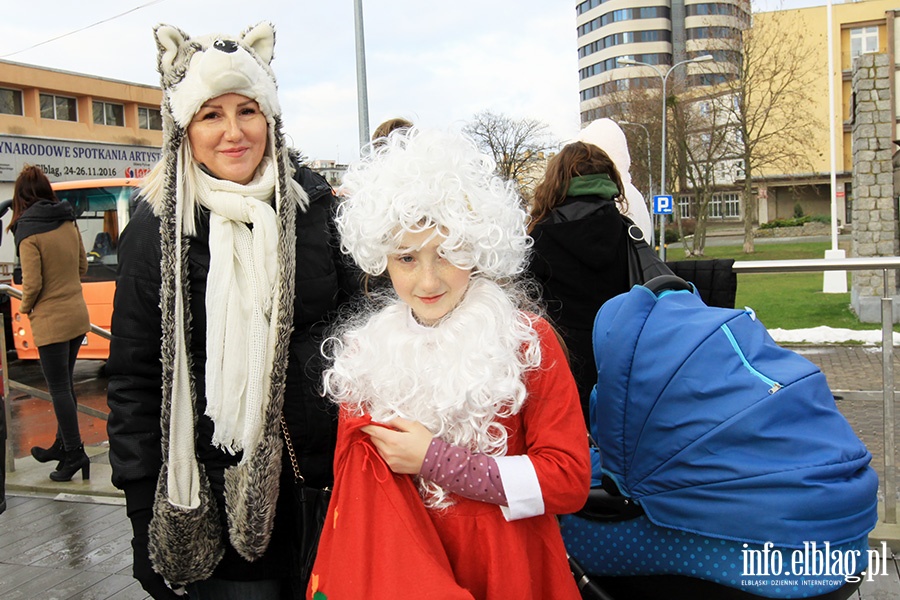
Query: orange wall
33, 81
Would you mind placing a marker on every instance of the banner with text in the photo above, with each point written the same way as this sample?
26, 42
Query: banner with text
65, 160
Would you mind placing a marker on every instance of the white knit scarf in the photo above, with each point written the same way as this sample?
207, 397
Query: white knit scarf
240, 289
241, 310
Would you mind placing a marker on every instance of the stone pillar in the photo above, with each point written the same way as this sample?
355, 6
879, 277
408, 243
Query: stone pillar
875, 214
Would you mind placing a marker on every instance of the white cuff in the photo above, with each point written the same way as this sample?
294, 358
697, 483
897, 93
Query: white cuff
521, 486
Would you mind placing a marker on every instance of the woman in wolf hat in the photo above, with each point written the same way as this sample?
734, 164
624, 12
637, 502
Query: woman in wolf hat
227, 274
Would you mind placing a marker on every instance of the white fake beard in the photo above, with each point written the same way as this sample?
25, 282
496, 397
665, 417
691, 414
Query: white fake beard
457, 378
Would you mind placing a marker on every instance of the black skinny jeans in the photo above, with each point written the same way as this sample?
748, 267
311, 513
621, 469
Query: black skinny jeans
58, 364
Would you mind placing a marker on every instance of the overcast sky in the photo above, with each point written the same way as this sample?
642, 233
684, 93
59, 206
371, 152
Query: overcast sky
436, 63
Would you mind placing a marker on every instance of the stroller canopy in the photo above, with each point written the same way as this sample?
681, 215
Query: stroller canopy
713, 428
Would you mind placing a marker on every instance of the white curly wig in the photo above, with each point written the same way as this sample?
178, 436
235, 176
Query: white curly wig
427, 178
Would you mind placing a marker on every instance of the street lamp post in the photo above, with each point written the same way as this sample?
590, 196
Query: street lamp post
362, 96
662, 176
649, 170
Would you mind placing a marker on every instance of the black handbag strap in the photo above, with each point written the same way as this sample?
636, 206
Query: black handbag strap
643, 263
295, 464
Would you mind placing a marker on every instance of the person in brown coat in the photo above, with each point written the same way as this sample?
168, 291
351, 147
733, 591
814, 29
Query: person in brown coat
53, 260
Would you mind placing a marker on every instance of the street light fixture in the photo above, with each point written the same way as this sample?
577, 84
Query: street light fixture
662, 177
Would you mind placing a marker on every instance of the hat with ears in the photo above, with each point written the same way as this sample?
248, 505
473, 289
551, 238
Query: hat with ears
194, 70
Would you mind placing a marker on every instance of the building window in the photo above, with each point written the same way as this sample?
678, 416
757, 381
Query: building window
149, 118
628, 37
625, 14
107, 113
863, 40
613, 63
711, 79
731, 205
703, 10
714, 208
588, 5
618, 85
10, 102
713, 33
720, 56
684, 206
59, 108
848, 202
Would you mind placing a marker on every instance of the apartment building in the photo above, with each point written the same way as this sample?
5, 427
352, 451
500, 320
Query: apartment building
75, 126
655, 32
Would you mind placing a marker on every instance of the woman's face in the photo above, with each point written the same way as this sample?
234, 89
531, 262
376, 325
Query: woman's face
430, 284
228, 135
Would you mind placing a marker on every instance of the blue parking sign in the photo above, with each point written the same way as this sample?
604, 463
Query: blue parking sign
663, 205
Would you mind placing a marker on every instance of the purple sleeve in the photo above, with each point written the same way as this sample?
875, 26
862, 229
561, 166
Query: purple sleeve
468, 474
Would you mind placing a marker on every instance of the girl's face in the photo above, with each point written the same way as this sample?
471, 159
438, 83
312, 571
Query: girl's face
425, 280
228, 135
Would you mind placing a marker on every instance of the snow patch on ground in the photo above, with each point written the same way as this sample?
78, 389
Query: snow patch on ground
829, 335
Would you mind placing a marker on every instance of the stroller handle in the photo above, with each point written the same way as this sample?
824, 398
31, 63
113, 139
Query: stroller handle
662, 283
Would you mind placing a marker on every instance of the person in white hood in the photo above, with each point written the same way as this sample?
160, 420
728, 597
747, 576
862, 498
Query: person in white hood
609, 137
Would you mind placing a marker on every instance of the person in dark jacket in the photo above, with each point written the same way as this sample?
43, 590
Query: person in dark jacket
52, 256
229, 272
580, 250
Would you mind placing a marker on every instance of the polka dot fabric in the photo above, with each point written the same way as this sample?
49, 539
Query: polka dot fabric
469, 474
638, 547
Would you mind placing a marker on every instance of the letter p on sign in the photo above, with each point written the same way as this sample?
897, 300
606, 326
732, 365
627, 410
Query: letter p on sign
663, 205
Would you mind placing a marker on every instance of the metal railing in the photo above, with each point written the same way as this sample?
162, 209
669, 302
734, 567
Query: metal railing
884, 264
9, 384
17, 294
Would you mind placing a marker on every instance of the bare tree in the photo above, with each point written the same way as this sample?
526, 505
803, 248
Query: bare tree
706, 147
771, 99
519, 146
640, 106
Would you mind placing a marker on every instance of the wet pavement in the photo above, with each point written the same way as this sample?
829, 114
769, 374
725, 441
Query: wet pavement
854, 374
71, 539
33, 423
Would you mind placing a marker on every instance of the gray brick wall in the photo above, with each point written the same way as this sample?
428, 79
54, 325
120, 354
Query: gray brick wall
875, 214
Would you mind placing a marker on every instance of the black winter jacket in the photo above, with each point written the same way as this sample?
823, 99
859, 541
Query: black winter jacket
323, 283
580, 261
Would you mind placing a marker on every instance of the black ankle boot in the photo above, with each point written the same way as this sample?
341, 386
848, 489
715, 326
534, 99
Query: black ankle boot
54, 452
72, 461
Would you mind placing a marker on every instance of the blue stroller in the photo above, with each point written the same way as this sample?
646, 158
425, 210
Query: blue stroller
723, 467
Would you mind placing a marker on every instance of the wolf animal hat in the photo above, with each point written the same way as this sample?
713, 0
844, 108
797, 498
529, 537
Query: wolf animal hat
195, 70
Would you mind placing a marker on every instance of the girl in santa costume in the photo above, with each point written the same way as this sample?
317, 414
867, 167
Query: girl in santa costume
460, 434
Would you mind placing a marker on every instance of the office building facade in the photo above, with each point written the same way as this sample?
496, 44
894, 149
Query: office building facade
657, 32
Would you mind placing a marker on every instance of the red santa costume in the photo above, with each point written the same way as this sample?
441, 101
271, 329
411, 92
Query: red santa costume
489, 379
